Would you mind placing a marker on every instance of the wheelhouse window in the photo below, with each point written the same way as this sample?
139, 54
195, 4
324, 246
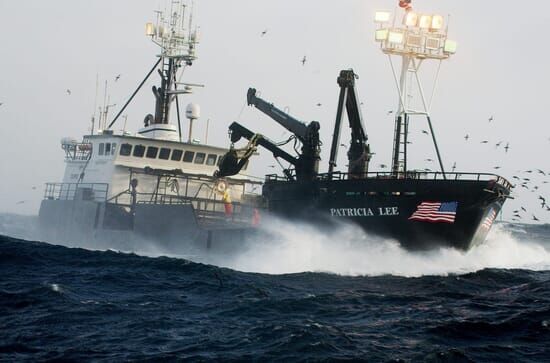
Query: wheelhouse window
219, 160
176, 155
152, 152
211, 159
139, 151
188, 156
101, 150
199, 158
107, 149
125, 149
113, 148
164, 153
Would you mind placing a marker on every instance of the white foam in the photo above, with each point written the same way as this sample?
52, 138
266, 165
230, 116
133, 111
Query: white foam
348, 251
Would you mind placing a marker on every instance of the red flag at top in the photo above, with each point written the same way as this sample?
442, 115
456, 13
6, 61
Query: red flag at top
405, 4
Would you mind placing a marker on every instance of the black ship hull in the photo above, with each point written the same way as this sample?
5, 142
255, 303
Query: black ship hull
393, 207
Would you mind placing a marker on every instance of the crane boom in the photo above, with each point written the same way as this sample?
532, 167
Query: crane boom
307, 167
359, 151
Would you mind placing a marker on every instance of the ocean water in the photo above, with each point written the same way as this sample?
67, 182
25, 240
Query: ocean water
304, 296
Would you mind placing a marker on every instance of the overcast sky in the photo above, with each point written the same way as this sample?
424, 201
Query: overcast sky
500, 70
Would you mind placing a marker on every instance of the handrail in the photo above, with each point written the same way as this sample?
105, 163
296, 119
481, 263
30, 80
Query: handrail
411, 175
97, 192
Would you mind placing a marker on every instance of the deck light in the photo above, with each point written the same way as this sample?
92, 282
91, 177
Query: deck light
381, 35
411, 18
149, 29
450, 47
395, 37
382, 16
425, 22
437, 22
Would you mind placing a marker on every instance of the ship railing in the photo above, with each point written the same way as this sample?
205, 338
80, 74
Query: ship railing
96, 192
412, 175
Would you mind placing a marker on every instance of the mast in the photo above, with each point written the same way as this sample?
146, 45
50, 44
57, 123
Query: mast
417, 38
177, 41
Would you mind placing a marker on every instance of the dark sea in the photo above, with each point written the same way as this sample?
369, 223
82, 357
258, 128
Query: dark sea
305, 300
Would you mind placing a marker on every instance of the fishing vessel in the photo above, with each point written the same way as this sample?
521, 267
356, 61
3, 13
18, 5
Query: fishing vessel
155, 184
419, 208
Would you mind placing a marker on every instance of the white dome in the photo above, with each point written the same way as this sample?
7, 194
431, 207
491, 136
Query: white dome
193, 111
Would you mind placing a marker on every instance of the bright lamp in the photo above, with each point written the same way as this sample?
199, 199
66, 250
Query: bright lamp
411, 18
395, 37
437, 22
382, 16
450, 46
149, 29
381, 35
425, 22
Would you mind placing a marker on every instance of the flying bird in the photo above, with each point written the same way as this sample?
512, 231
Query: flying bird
390, 112
1, 103
117, 78
68, 91
523, 209
491, 119
429, 160
304, 60
535, 218
319, 104
507, 147
541, 172
425, 132
454, 167
264, 33
497, 167
383, 166
466, 137
485, 142
497, 145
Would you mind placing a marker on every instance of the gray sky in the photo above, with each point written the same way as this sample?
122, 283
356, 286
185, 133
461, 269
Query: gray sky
500, 69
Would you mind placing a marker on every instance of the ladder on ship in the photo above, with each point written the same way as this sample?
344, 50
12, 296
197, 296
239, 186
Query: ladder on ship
401, 131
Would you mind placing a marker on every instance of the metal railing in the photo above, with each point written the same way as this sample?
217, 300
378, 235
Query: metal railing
412, 175
96, 192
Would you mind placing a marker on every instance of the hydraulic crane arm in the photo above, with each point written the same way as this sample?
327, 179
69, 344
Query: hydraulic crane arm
307, 166
235, 159
359, 151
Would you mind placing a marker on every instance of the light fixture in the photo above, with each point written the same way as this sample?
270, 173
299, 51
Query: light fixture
411, 18
381, 35
425, 22
382, 16
437, 22
450, 47
414, 40
149, 29
433, 43
395, 37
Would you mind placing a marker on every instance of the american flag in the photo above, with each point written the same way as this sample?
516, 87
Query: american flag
435, 212
489, 219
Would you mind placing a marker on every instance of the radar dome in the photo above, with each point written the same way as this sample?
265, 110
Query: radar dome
193, 111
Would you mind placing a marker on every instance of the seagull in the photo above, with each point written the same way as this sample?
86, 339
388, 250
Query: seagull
1, 103
319, 104
304, 60
390, 112
264, 33
383, 166
454, 167
535, 218
498, 144
425, 132
497, 167
485, 142
68, 91
529, 171
507, 147
117, 78
429, 160
523, 209
20, 202
541, 172
491, 118
466, 137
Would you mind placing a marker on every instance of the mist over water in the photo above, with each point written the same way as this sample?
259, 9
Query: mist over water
347, 250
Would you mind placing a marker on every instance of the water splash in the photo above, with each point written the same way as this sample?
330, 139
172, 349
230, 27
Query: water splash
348, 251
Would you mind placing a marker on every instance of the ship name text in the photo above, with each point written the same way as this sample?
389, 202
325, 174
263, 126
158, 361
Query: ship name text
364, 212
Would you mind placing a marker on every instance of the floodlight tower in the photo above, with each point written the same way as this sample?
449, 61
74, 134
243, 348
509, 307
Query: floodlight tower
415, 38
